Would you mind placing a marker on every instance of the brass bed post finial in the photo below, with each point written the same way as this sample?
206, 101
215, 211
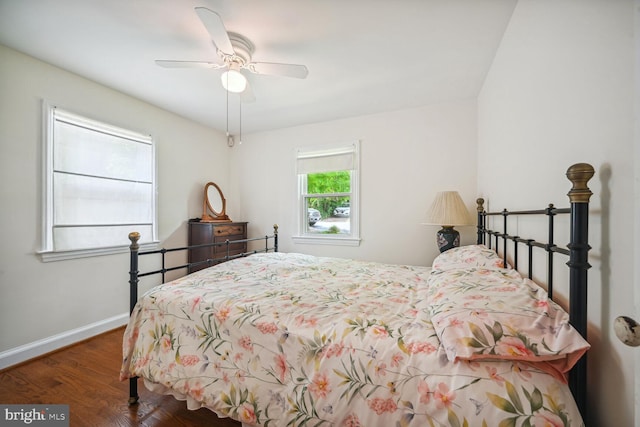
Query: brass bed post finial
134, 236
579, 174
480, 203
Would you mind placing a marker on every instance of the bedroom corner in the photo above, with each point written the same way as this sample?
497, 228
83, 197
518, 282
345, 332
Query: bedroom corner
48, 305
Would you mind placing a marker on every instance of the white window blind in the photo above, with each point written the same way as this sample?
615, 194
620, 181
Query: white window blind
99, 184
326, 160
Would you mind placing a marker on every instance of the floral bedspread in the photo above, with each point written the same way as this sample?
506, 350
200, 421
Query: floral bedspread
290, 340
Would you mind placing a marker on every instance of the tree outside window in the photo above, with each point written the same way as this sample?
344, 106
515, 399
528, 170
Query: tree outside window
330, 195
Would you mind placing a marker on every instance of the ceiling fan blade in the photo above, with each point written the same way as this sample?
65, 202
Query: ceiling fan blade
214, 25
274, 69
168, 63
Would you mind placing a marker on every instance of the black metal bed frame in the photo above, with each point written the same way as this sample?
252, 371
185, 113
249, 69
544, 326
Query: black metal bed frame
135, 275
577, 250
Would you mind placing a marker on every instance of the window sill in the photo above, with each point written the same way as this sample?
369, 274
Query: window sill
51, 256
326, 240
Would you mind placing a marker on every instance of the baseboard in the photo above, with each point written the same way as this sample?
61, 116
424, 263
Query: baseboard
38, 348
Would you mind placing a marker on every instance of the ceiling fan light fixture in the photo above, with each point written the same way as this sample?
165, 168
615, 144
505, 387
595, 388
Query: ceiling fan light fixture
233, 80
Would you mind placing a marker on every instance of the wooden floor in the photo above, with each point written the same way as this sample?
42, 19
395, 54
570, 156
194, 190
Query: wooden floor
85, 377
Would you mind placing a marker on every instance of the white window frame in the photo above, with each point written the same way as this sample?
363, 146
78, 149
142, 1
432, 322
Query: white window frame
48, 252
352, 239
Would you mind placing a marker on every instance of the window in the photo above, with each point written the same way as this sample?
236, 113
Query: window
328, 195
99, 185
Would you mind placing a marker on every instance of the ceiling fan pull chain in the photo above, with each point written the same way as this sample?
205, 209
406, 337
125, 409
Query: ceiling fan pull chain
227, 92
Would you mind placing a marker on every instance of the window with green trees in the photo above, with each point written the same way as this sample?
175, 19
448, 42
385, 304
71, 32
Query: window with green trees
328, 189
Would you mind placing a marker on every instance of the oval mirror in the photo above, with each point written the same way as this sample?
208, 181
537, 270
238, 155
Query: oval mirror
215, 205
214, 198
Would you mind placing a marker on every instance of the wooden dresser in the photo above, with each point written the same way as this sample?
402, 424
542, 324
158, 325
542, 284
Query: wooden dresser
201, 233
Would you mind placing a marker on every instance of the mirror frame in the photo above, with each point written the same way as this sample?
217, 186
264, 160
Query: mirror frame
206, 206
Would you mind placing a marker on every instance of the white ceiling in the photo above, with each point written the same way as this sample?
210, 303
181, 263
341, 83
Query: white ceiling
363, 56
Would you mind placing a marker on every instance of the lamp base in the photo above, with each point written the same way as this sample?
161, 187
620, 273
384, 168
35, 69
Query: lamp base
447, 238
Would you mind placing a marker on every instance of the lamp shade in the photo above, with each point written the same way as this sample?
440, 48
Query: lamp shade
448, 209
233, 80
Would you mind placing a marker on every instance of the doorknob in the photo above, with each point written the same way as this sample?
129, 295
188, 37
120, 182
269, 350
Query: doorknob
627, 330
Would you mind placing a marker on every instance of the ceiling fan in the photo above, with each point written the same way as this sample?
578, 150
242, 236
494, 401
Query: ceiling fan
234, 53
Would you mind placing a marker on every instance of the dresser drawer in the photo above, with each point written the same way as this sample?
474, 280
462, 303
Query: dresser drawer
229, 230
203, 233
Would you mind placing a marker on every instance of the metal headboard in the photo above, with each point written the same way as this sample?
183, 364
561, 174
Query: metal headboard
577, 250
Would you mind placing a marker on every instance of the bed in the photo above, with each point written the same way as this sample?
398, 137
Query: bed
287, 339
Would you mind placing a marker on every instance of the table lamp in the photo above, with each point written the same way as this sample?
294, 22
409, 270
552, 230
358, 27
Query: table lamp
448, 210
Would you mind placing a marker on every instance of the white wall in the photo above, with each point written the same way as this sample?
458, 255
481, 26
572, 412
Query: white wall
406, 157
42, 300
560, 91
